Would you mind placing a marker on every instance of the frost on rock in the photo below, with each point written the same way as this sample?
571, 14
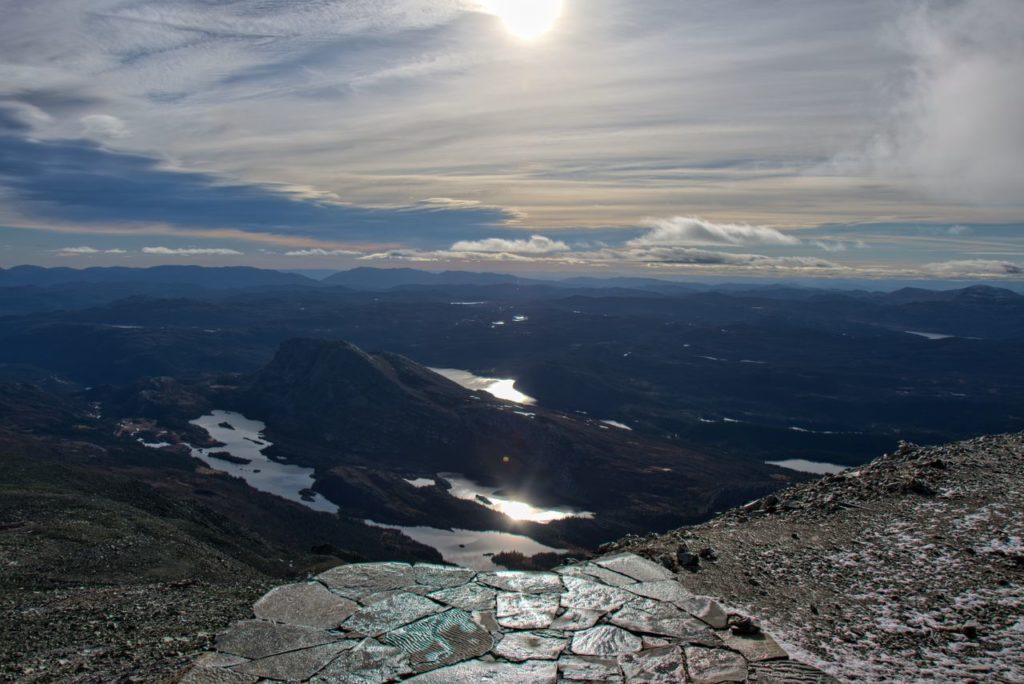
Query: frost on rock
904, 570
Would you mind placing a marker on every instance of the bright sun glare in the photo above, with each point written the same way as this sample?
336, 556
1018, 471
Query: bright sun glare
526, 19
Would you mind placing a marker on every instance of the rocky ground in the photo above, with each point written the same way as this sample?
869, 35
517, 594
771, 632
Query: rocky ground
908, 569
141, 633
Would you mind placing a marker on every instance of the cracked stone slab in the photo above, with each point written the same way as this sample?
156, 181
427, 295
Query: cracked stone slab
583, 669
487, 620
594, 571
706, 610
370, 662
476, 672
645, 616
713, 666
575, 619
219, 660
658, 642
436, 623
586, 594
364, 579
258, 639
756, 648
306, 605
631, 565
701, 607
215, 675
787, 672
522, 646
661, 590
655, 666
391, 613
445, 639
296, 666
526, 611
523, 582
605, 640
442, 576
469, 597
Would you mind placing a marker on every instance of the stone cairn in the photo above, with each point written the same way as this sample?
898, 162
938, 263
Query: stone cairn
619, 618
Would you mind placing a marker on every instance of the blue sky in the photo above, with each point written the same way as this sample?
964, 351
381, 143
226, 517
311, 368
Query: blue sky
796, 138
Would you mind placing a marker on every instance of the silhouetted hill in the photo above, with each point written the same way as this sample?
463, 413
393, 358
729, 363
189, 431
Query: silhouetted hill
387, 278
220, 278
333, 406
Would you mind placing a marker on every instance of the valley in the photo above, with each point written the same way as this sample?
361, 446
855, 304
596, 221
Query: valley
215, 440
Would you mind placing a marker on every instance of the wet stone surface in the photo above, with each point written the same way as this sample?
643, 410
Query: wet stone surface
620, 618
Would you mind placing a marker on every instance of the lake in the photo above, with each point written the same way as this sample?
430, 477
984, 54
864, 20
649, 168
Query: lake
243, 439
804, 466
469, 548
930, 335
494, 499
502, 388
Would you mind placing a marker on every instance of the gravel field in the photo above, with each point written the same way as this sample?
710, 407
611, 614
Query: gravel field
909, 569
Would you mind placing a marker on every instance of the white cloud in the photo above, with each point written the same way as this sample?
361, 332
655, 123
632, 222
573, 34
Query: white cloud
959, 230
104, 126
703, 257
537, 244
836, 246
540, 249
190, 251
321, 252
694, 232
974, 268
86, 251
957, 129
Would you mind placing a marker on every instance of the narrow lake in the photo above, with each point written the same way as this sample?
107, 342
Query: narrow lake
469, 548
243, 439
804, 466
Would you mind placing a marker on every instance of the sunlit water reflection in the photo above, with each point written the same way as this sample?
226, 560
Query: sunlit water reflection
470, 548
502, 388
492, 498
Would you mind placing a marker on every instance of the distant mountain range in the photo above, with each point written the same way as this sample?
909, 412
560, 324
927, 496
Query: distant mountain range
217, 278
382, 279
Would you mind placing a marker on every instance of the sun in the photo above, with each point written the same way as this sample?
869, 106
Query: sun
526, 19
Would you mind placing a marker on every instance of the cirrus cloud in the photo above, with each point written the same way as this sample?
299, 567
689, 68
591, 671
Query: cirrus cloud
974, 268
321, 252
190, 251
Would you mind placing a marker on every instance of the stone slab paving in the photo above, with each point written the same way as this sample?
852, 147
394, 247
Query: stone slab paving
620, 618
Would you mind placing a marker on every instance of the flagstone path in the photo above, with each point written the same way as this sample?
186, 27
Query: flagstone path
619, 618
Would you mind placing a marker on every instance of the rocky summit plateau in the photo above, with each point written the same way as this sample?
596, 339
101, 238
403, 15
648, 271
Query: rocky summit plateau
908, 569
618, 618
